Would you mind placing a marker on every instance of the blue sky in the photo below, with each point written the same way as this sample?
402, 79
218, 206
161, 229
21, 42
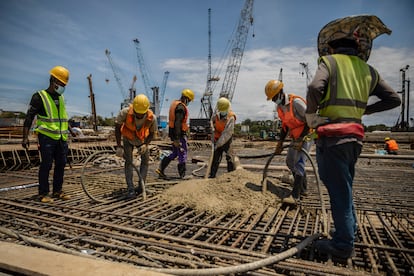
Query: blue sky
37, 35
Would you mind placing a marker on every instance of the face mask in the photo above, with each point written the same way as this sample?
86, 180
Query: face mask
223, 114
59, 89
278, 101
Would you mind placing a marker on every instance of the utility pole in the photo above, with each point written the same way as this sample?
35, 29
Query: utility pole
404, 124
92, 97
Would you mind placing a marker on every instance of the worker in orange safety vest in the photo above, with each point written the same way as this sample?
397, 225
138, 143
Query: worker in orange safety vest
223, 123
137, 124
390, 145
291, 111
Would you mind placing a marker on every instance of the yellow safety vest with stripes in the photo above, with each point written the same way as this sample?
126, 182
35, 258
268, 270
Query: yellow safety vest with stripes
351, 82
55, 123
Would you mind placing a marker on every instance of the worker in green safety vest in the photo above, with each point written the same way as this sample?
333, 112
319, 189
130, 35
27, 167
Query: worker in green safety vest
52, 128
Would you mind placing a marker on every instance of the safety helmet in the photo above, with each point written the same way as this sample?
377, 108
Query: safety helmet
273, 87
387, 138
60, 73
188, 93
223, 104
141, 104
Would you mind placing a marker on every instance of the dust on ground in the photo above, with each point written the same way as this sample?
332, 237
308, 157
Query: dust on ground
237, 192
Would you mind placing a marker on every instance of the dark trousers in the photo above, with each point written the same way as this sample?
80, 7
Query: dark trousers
337, 169
218, 153
51, 150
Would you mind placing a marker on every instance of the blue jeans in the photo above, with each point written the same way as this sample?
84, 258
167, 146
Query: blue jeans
51, 150
336, 166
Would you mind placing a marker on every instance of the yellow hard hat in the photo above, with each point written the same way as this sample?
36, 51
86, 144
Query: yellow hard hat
60, 73
188, 93
223, 104
141, 104
386, 138
273, 87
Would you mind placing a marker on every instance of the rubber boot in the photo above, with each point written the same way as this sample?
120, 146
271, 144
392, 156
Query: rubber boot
297, 187
164, 163
181, 170
304, 190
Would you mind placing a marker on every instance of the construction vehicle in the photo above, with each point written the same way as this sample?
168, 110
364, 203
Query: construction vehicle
152, 90
238, 44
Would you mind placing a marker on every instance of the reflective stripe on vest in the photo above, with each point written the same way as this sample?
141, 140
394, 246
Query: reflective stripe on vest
289, 120
55, 123
171, 116
129, 128
220, 125
350, 84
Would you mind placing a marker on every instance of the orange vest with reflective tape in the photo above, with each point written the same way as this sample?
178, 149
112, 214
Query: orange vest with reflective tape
171, 116
129, 128
289, 120
392, 144
220, 125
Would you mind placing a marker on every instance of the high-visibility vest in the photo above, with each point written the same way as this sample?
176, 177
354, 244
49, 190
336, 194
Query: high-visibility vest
392, 144
171, 116
129, 128
55, 123
289, 119
351, 82
220, 125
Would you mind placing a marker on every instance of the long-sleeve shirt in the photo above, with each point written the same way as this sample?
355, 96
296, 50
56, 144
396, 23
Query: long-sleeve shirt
316, 90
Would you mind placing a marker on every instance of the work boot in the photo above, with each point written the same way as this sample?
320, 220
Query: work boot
181, 170
61, 195
290, 200
304, 190
45, 199
164, 163
297, 185
326, 246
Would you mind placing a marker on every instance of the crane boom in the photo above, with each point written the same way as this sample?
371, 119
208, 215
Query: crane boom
116, 74
143, 70
239, 43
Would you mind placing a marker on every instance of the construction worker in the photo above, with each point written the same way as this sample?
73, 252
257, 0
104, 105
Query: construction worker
390, 145
291, 111
337, 98
223, 123
52, 128
137, 124
177, 131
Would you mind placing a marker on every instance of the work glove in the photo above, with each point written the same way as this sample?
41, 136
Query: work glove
120, 151
279, 147
142, 149
25, 143
314, 120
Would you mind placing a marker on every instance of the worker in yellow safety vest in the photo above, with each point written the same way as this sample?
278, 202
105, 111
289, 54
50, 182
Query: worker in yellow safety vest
52, 130
137, 124
337, 98
223, 123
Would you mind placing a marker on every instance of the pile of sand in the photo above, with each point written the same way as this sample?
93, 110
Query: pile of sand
237, 192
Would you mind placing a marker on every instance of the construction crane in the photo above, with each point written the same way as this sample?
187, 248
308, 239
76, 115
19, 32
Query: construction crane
306, 72
152, 91
92, 97
206, 109
125, 101
239, 43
